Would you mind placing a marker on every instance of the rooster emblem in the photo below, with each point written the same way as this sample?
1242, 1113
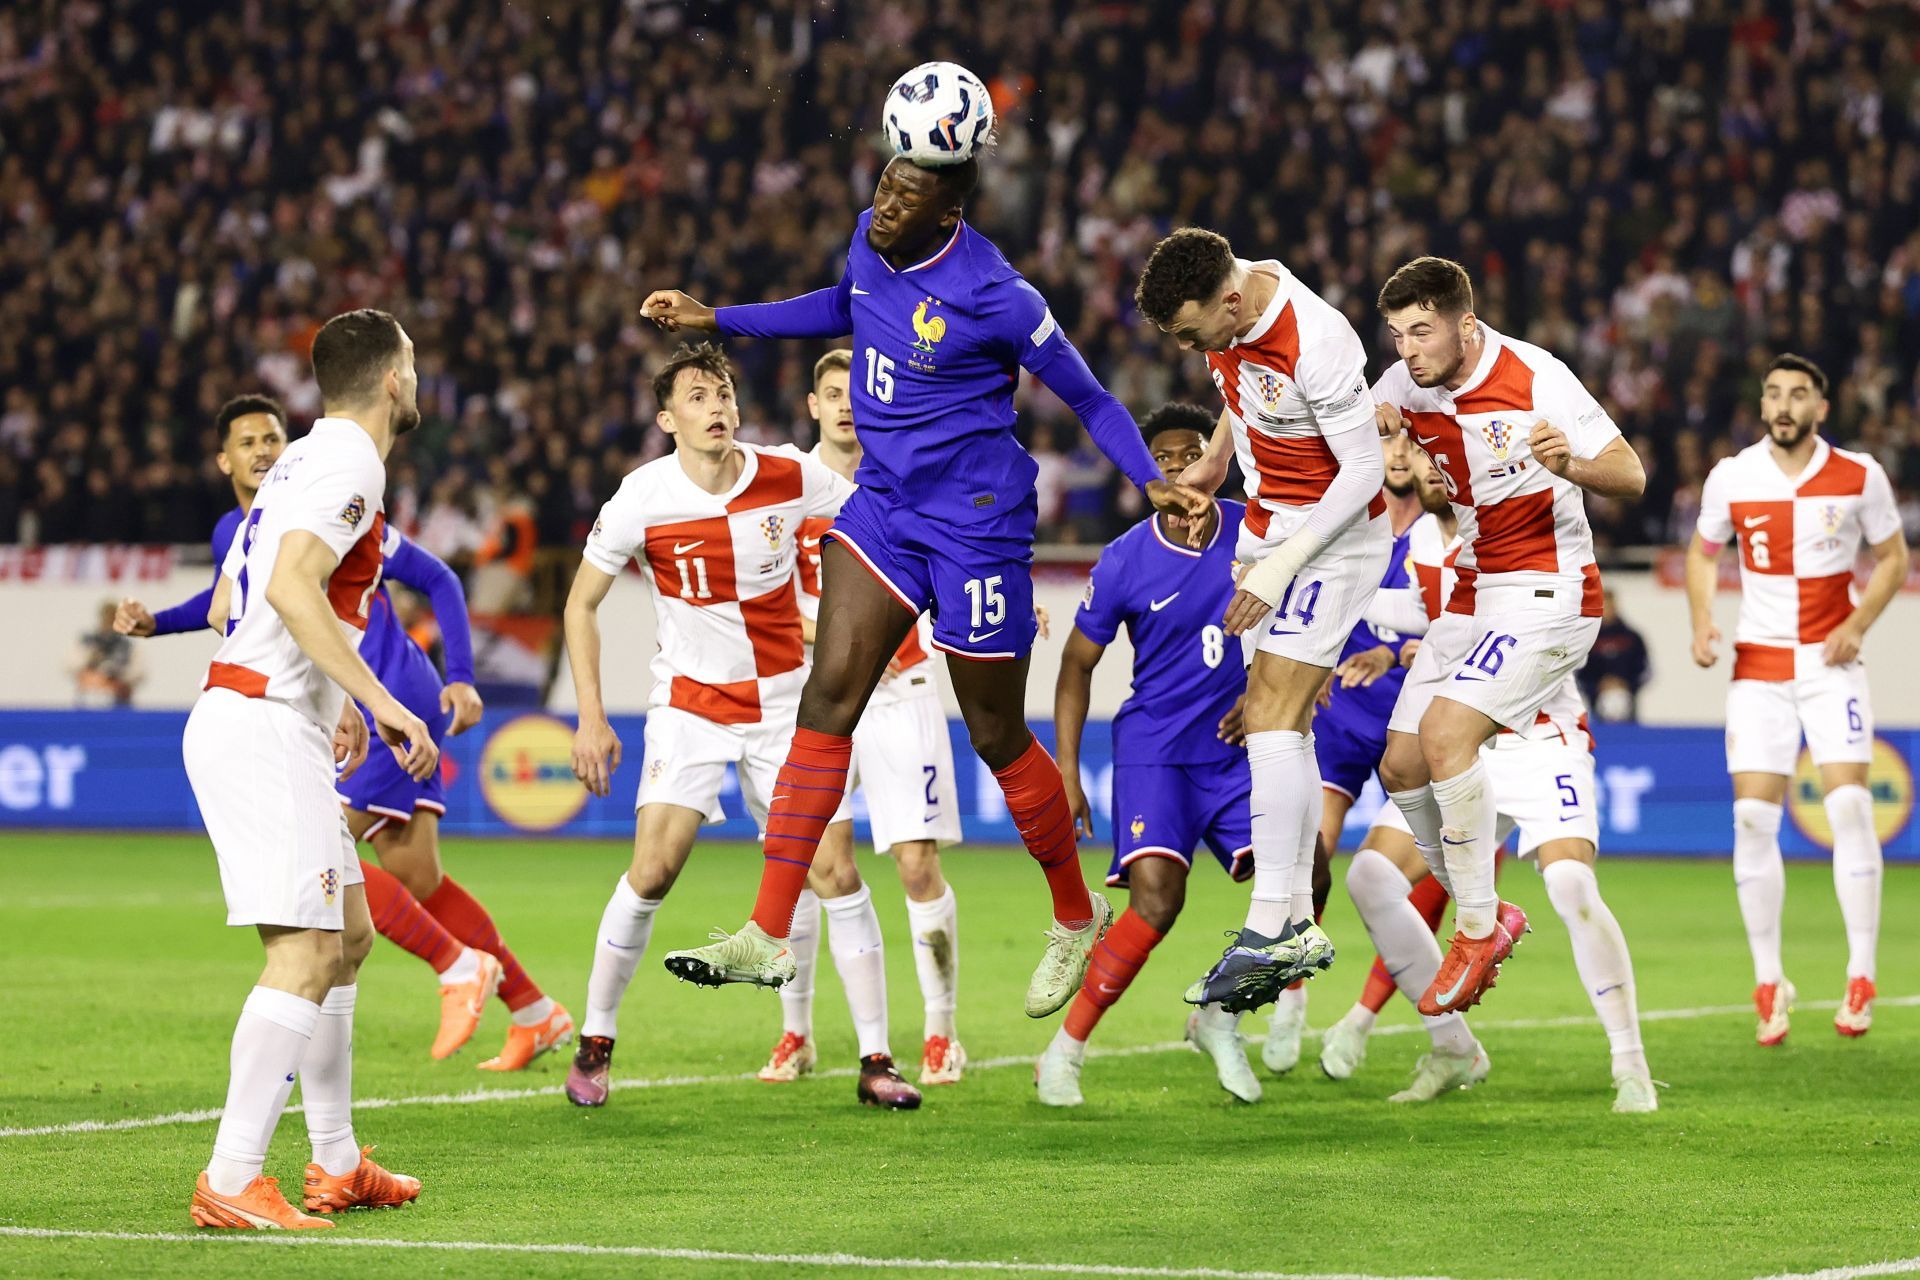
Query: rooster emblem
929, 329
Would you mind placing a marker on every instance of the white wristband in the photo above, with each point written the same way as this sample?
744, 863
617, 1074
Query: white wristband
1268, 580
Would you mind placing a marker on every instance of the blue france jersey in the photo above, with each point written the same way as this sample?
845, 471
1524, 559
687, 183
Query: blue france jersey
1187, 671
1377, 699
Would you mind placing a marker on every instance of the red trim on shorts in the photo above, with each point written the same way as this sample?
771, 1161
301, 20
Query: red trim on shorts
1762, 662
242, 680
840, 536
975, 657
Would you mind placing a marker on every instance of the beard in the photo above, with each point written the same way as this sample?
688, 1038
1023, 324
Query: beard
1786, 437
1401, 488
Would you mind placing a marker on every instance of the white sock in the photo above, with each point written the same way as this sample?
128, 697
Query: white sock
1466, 845
936, 958
1856, 874
803, 939
465, 969
1760, 880
534, 1014
1600, 955
1361, 1017
859, 956
1074, 1049
1291, 1000
1422, 813
326, 1084
1216, 1017
1379, 891
1281, 762
1307, 767
269, 1042
625, 927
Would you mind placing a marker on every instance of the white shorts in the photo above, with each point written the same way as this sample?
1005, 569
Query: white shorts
903, 762
1320, 606
686, 758
1505, 661
1765, 719
1542, 788
262, 774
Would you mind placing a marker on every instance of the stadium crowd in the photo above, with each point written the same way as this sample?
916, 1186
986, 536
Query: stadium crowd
1664, 194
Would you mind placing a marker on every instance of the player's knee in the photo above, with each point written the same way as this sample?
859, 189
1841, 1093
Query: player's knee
1160, 905
1573, 888
1403, 768
1850, 814
652, 875
1447, 748
356, 944
997, 741
1756, 834
833, 879
919, 863
1373, 881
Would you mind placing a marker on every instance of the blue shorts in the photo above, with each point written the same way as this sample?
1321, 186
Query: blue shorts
1166, 810
976, 580
1349, 745
381, 787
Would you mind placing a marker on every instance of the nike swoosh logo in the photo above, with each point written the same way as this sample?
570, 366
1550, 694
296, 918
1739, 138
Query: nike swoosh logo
1452, 993
1424, 439
1158, 605
1108, 989
1751, 521
858, 292
1470, 679
975, 637
1615, 987
809, 542
681, 549
616, 946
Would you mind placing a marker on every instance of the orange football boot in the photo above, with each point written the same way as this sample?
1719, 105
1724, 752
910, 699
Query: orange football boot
368, 1186
260, 1207
462, 1003
1856, 1011
1773, 1001
1467, 972
524, 1044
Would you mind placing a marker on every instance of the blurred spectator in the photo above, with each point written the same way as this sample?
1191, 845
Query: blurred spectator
1617, 668
1659, 193
105, 665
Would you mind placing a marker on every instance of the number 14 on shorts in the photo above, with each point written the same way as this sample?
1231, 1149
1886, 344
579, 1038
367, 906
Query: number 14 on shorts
1297, 604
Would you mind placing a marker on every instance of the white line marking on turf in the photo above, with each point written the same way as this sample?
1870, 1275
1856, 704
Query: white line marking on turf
692, 1255
1901, 1267
473, 1096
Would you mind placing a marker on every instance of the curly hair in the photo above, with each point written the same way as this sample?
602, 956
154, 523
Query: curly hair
1190, 265
240, 407
1178, 416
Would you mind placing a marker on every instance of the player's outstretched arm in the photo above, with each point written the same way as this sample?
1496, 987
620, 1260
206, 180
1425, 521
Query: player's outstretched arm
824, 313
297, 591
1703, 579
1889, 572
596, 748
1210, 472
412, 565
1072, 695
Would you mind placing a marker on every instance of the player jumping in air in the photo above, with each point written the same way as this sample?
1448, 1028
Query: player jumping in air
1299, 418
1800, 510
414, 904
943, 521
1179, 771
260, 749
903, 761
716, 524
1515, 438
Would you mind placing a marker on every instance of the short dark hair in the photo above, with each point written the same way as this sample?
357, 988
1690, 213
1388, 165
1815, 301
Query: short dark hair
1440, 284
1188, 266
1177, 416
1792, 363
240, 407
958, 181
690, 355
352, 352
840, 358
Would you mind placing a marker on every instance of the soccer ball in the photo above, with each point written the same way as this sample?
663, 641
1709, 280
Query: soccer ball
938, 114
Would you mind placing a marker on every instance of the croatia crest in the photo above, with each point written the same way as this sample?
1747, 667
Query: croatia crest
771, 527
1499, 438
1268, 385
1831, 518
329, 884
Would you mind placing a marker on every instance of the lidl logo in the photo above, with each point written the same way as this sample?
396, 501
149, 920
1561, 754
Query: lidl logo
526, 773
1889, 779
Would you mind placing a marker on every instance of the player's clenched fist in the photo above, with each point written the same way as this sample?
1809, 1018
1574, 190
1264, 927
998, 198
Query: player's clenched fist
350, 740
1550, 448
132, 618
673, 310
1186, 505
1388, 420
1706, 645
596, 754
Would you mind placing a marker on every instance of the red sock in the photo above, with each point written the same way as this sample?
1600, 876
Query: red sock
468, 921
805, 795
1038, 802
1430, 900
401, 920
1379, 988
1115, 960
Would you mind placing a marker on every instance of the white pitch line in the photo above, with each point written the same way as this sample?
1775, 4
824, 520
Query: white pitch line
1900, 1267
314, 1241
473, 1096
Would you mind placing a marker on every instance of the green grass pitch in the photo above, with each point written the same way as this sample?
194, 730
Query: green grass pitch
121, 988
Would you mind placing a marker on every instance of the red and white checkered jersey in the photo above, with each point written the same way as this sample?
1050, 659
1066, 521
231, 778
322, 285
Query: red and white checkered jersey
1298, 377
1799, 537
721, 569
1432, 565
912, 651
1522, 525
331, 483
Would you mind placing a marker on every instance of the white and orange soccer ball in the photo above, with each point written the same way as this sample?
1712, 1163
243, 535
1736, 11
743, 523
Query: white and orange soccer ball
938, 114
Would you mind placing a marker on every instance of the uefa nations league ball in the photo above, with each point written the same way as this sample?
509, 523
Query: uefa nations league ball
938, 113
